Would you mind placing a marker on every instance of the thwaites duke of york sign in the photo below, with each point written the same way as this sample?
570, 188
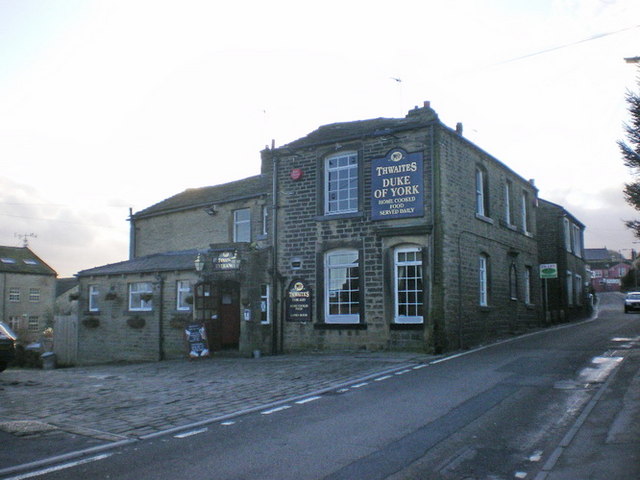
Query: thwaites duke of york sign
397, 186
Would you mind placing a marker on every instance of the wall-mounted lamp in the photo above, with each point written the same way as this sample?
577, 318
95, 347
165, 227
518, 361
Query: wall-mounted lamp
199, 263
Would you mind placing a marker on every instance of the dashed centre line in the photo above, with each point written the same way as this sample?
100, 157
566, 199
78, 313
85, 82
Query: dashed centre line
307, 400
276, 409
190, 433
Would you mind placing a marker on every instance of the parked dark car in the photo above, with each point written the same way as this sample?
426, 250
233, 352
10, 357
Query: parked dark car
632, 302
7, 345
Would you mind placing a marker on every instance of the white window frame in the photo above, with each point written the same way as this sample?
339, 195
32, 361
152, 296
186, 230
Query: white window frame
242, 226
183, 290
34, 295
333, 267
265, 304
136, 290
566, 225
265, 220
569, 284
526, 220
508, 208
577, 240
341, 183
483, 279
418, 292
94, 298
14, 294
527, 284
481, 194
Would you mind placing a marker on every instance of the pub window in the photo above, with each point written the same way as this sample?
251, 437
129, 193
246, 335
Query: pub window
94, 295
342, 287
482, 192
409, 293
140, 294
341, 183
242, 225
265, 310
483, 278
183, 292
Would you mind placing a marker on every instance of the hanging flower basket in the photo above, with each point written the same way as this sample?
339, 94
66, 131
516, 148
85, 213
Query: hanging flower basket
91, 322
136, 322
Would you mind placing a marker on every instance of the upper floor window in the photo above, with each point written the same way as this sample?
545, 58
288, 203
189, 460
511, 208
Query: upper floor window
409, 294
94, 295
482, 192
140, 295
265, 304
34, 295
14, 294
577, 240
526, 213
265, 220
342, 287
341, 183
242, 225
508, 208
183, 292
566, 231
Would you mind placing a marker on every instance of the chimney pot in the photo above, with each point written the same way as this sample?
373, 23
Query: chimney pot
459, 128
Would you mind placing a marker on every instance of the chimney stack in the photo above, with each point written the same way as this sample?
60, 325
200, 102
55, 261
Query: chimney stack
459, 128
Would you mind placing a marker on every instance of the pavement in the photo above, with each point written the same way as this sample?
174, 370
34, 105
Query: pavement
46, 414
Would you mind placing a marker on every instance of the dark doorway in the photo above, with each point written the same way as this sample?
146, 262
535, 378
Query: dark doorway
229, 311
217, 306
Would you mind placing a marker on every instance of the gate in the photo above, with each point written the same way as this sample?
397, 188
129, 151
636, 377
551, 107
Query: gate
65, 339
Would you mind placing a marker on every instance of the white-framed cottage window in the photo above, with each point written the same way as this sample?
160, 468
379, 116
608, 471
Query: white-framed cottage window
242, 225
265, 220
183, 292
94, 297
140, 294
566, 230
408, 285
513, 281
34, 295
482, 193
569, 284
483, 278
526, 214
14, 294
527, 285
33, 324
265, 304
508, 208
577, 240
341, 183
342, 286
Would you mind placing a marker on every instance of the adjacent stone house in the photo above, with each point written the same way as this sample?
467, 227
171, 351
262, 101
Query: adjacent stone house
389, 233
561, 244
28, 287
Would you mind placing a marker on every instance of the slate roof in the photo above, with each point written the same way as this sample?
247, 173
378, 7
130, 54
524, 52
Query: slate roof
207, 196
358, 129
157, 262
600, 254
23, 260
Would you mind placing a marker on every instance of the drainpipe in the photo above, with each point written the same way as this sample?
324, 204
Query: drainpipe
277, 337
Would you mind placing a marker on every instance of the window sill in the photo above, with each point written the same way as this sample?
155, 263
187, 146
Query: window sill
406, 326
484, 219
338, 216
340, 326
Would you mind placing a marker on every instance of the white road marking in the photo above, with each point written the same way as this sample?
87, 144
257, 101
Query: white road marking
342, 390
379, 379
402, 372
307, 400
190, 433
276, 409
603, 368
536, 457
227, 423
358, 385
422, 365
64, 466
521, 475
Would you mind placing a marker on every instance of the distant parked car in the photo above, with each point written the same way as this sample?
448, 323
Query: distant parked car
7, 345
632, 302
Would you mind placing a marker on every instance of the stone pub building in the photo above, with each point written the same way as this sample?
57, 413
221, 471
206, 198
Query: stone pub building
389, 233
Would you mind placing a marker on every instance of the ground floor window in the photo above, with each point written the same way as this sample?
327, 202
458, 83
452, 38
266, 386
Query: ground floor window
527, 285
569, 283
34, 324
342, 287
265, 308
483, 290
94, 295
409, 290
183, 295
140, 294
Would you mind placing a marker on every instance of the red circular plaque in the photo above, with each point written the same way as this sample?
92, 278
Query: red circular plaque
296, 174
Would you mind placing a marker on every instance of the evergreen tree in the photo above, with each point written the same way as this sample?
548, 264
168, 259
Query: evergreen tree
631, 154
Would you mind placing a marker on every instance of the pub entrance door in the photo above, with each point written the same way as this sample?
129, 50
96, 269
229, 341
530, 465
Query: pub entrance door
229, 315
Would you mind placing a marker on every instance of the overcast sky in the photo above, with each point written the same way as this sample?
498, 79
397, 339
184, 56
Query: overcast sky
107, 105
